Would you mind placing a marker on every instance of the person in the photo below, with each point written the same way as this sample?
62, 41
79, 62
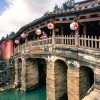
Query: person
44, 35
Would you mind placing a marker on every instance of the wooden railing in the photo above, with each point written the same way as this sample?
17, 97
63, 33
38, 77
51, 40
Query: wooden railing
66, 40
89, 42
69, 40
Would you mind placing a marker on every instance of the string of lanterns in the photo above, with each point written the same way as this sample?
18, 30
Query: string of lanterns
73, 26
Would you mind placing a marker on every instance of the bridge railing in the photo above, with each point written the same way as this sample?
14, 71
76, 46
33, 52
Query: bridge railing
88, 42
65, 40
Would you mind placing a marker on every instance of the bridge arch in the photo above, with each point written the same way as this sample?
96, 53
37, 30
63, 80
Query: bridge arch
36, 72
54, 58
86, 80
42, 69
60, 67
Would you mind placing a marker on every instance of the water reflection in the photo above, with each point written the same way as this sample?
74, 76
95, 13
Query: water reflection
37, 94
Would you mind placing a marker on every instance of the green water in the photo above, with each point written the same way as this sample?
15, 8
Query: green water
37, 94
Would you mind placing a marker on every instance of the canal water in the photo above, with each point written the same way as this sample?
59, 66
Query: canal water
37, 94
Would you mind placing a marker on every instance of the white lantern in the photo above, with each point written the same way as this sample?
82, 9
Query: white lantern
23, 35
74, 26
38, 32
50, 26
16, 41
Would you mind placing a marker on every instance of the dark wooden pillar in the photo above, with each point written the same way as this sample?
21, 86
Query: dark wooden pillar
62, 30
84, 29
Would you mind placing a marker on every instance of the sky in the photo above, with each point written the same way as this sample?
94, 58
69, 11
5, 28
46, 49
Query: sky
16, 13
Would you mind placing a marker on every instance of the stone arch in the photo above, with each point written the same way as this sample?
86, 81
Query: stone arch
35, 72
60, 69
42, 66
86, 80
54, 58
87, 64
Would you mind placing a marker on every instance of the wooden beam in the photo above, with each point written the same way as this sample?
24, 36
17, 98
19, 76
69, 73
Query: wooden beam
65, 21
89, 19
36, 28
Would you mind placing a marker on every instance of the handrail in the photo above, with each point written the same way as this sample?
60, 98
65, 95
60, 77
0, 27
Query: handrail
68, 40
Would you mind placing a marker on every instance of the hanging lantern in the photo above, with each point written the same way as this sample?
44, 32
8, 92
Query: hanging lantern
23, 35
38, 32
50, 26
16, 41
74, 26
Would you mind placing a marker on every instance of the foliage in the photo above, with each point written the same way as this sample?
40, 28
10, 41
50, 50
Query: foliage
8, 36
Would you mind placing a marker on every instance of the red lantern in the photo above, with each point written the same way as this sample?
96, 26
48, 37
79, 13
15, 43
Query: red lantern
23, 35
16, 41
74, 26
50, 26
38, 32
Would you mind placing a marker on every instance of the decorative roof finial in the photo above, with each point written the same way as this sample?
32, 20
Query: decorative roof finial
71, 2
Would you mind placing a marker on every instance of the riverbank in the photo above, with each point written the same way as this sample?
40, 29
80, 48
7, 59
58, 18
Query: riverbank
6, 86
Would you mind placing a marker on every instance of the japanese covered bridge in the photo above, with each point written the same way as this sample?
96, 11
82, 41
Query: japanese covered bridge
62, 50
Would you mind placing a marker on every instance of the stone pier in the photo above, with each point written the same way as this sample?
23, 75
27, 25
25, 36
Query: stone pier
16, 73
73, 84
56, 80
50, 82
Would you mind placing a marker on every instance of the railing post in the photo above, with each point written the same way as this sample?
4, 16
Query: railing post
53, 37
18, 48
77, 37
26, 41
